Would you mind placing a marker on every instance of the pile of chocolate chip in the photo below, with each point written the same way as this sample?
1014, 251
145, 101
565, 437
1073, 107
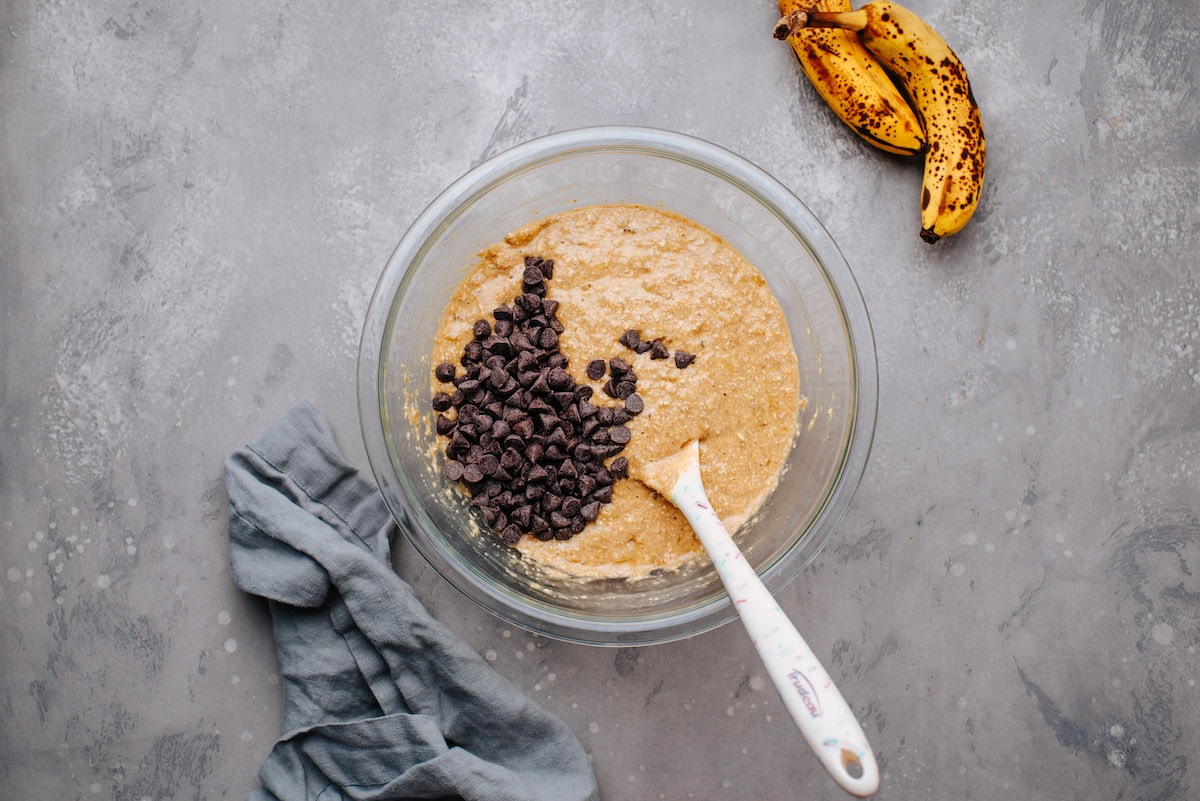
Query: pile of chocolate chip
526, 440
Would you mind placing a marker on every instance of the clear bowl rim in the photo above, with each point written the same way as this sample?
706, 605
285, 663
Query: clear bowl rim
711, 158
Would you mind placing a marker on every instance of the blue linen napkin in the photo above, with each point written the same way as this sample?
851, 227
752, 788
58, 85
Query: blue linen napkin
380, 701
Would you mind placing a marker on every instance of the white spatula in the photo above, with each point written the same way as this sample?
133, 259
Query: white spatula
824, 717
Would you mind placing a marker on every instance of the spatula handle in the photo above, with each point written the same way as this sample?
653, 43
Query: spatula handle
811, 697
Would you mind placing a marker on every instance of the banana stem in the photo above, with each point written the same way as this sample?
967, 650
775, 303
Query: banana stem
789, 24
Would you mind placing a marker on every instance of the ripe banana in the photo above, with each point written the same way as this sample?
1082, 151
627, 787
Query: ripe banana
853, 84
936, 81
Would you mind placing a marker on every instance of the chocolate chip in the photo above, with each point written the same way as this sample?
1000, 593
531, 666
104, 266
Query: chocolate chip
529, 302
590, 511
498, 345
595, 369
510, 386
619, 468
458, 446
522, 515
511, 534
630, 339
547, 268
472, 474
440, 402
634, 404
548, 339
526, 361
504, 328
540, 385
683, 358
444, 424
560, 379
511, 459
445, 372
658, 350
571, 412
481, 329
619, 367
620, 435
523, 428
453, 471
533, 275
624, 389
503, 312
562, 401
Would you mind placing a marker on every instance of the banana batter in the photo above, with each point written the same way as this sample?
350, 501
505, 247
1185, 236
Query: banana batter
624, 267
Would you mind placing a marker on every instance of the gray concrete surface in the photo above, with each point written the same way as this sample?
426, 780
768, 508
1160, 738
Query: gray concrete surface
197, 198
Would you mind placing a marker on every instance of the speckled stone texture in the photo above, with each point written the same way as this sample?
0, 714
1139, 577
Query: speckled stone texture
197, 198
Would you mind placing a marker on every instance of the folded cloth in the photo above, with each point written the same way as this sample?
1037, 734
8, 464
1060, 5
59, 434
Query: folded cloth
380, 701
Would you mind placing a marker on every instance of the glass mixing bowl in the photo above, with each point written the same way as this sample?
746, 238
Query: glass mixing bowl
757, 216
